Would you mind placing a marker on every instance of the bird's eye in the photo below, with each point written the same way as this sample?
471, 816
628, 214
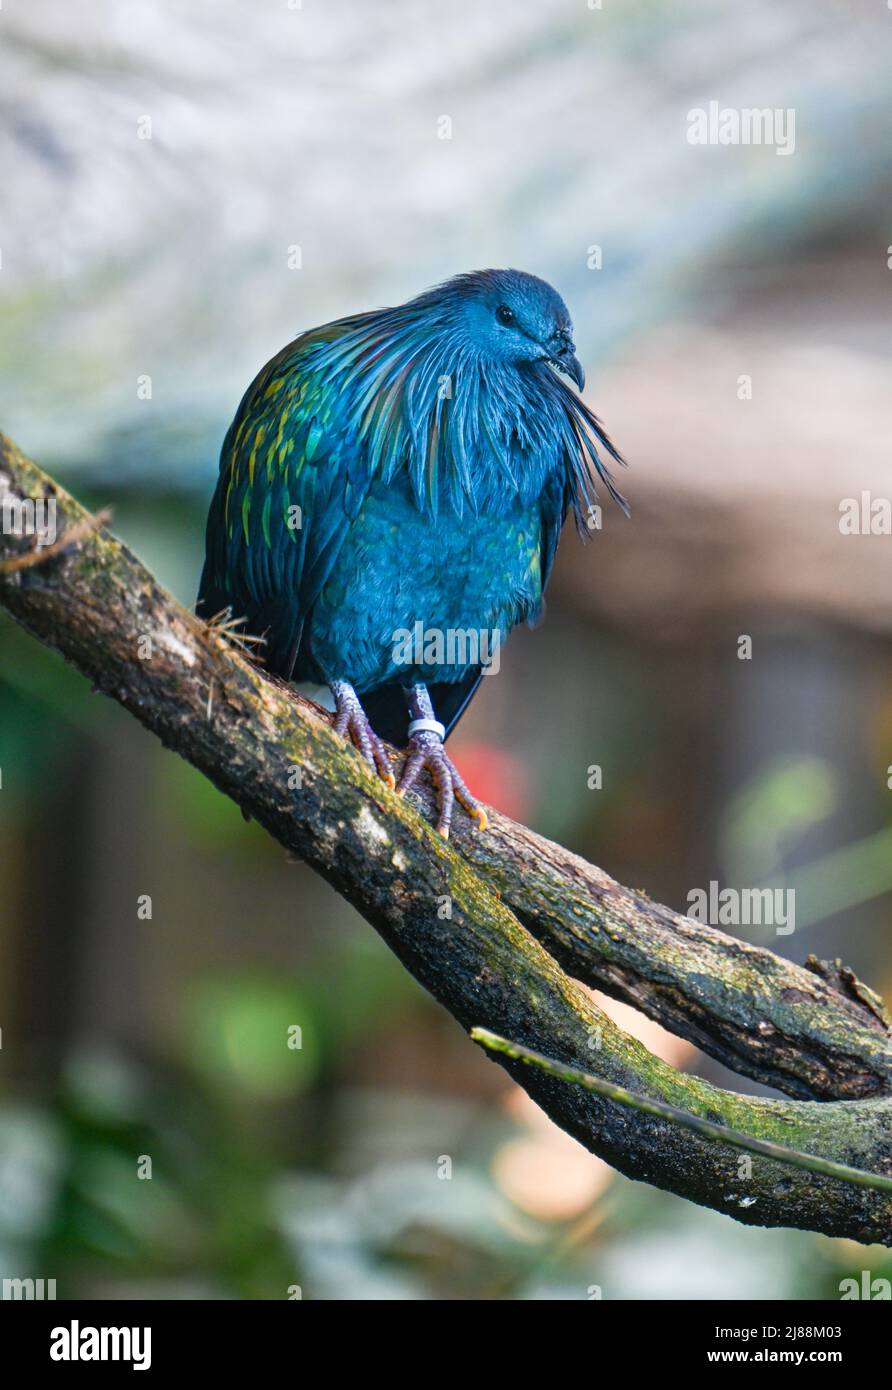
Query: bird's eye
505, 315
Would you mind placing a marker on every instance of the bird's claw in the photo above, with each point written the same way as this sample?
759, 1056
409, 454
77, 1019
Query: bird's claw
351, 722
426, 751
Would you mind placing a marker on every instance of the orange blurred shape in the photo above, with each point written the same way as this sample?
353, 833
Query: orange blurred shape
544, 1171
549, 1176
495, 776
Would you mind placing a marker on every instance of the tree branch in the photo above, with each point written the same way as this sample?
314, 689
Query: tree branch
277, 757
662, 1111
811, 1031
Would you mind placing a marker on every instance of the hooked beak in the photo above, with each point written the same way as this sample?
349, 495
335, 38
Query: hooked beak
572, 367
563, 356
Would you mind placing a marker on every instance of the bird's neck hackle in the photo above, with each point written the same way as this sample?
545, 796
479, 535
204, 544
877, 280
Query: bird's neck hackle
471, 433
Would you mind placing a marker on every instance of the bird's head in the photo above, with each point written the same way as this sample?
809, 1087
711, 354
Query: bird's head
512, 317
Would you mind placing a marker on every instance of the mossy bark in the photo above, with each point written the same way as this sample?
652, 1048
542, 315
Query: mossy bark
96, 604
811, 1031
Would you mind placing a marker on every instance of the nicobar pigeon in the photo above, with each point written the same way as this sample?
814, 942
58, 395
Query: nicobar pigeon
401, 472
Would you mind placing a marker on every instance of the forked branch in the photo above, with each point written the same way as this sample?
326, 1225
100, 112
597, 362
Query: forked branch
276, 756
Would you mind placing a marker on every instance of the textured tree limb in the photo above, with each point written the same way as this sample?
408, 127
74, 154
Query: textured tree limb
38, 555
812, 1031
706, 1128
96, 603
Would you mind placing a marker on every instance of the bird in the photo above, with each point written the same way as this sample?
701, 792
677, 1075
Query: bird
390, 498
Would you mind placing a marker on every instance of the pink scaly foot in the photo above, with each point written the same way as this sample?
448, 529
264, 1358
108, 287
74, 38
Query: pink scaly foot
351, 722
426, 735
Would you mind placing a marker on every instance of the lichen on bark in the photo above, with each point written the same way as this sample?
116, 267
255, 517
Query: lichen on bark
526, 916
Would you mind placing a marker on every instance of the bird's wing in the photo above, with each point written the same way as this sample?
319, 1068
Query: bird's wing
292, 479
555, 503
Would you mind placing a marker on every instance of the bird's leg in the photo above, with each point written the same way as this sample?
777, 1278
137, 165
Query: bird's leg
351, 721
426, 735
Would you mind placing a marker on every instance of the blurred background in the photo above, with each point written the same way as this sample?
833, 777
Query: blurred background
184, 189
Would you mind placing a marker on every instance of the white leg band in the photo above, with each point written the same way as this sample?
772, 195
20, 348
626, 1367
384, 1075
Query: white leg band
430, 726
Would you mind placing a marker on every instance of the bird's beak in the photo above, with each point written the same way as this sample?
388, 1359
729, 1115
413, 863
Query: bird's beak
574, 368
563, 356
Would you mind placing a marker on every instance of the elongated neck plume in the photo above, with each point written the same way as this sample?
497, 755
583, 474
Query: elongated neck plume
471, 431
